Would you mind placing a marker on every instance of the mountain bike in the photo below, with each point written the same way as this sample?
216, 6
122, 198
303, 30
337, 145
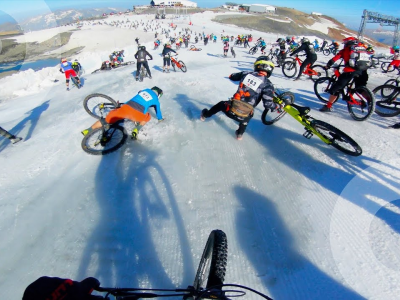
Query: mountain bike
387, 100
329, 134
142, 73
106, 139
178, 64
360, 100
385, 65
330, 50
276, 58
393, 81
75, 83
124, 64
233, 52
194, 48
208, 282
289, 69
253, 50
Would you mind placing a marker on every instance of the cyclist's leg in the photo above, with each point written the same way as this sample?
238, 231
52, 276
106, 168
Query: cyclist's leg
136, 117
146, 65
341, 82
138, 66
220, 106
243, 125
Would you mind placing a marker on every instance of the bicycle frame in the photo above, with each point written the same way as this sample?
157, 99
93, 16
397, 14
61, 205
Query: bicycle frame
174, 61
307, 70
303, 119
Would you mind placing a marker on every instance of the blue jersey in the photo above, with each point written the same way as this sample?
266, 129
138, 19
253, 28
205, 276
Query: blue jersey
144, 100
66, 66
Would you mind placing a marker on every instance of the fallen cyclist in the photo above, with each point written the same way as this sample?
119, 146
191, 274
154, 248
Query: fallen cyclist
135, 110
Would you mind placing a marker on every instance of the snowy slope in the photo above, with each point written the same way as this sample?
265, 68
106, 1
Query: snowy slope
303, 220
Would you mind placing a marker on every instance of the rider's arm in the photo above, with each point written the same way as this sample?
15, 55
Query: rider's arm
236, 76
267, 96
157, 108
147, 53
301, 48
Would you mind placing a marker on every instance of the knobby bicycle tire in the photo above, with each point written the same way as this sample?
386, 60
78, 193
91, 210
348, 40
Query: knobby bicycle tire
101, 142
387, 100
321, 72
212, 266
384, 67
183, 66
253, 50
337, 138
99, 105
394, 82
365, 104
321, 88
269, 117
289, 68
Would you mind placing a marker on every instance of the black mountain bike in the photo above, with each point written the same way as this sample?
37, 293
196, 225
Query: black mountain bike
208, 282
105, 139
387, 100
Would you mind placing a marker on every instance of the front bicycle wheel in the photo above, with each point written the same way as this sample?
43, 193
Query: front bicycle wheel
289, 68
365, 104
321, 88
99, 105
384, 67
387, 100
212, 267
394, 82
320, 72
326, 52
269, 117
101, 142
183, 66
337, 138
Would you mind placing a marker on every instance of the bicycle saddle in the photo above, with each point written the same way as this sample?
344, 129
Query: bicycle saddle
303, 110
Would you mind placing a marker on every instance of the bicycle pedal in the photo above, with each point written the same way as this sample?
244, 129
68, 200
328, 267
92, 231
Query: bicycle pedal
308, 134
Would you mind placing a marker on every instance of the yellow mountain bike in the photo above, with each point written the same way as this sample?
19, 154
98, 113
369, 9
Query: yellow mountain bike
327, 133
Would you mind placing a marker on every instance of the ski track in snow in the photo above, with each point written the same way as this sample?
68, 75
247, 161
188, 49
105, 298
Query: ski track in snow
303, 220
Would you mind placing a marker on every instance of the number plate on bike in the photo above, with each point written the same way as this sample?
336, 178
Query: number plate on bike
252, 82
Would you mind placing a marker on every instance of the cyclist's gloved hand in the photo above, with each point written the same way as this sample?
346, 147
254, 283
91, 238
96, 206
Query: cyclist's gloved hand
278, 108
58, 288
161, 120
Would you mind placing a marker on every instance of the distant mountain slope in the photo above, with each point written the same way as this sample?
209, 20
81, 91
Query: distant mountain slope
63, 17
288, 21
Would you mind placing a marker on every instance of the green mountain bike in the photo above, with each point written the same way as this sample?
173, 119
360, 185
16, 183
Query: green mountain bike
327, 133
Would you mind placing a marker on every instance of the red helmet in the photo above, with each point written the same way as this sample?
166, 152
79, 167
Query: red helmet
350, 41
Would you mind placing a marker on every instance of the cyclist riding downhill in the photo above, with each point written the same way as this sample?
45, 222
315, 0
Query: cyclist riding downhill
253, 87
226, 47
136, 110
66, 68
166, 54
311, 56
356, 62
140, 56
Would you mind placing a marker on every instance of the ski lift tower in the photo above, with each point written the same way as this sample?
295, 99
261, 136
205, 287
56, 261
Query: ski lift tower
383, 20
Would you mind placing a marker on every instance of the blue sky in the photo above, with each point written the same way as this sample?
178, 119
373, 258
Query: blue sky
346, 11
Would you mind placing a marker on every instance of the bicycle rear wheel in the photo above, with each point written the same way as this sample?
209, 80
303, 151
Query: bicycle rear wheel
326, 52
321, 72
289, 68
183, 66
387, 100
101, 142
269, 117
384, 67
212, 267
337, 138
321, 88
365, 104
99, 105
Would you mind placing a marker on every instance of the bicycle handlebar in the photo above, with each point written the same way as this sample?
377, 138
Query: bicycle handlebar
215, 293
